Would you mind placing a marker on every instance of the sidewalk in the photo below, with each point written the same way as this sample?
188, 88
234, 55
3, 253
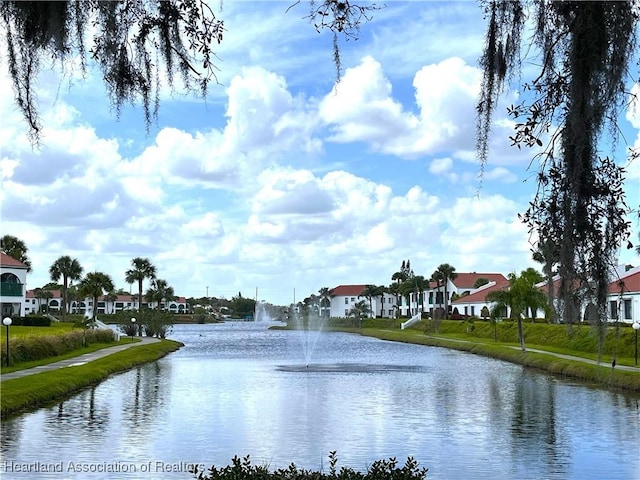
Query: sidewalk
79, 360
559, 355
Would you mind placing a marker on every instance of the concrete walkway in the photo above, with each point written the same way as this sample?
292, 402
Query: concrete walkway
559, 355
79, 360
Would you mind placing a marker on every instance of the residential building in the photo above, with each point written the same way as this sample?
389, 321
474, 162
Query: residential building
13, 285
433, 298
475, 304
104, 307
624, 297
344, 297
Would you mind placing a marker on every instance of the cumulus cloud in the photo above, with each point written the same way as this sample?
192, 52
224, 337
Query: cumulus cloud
251, 194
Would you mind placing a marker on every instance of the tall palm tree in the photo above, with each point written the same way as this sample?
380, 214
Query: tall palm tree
94, 285
69, 269
142, 268
445, 272
158, 291
420, 284
15, 248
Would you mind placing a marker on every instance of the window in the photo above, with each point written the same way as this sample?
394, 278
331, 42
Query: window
466, 310
353, 299
473, 310
346, 312
613, 309
627, 309
346, 301
430, 298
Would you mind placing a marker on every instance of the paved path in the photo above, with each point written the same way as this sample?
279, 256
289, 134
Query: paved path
79, 360
559, 355
581, 359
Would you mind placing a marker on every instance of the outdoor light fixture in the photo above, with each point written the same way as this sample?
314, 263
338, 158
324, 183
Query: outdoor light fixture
6, 321
133, 330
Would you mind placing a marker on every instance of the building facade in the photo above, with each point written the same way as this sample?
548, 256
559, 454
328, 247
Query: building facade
13, 286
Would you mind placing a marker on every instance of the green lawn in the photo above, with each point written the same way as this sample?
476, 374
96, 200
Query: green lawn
40, 389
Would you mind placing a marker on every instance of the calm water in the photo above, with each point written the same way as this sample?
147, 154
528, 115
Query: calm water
238, 388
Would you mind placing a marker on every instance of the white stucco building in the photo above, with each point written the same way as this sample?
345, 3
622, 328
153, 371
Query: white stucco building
13, 286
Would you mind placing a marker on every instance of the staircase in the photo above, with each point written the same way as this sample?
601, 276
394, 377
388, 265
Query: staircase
415, 319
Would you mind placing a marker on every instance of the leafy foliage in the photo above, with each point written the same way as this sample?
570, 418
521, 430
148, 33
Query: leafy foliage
379, 470
15, 248
586, 49
131, 42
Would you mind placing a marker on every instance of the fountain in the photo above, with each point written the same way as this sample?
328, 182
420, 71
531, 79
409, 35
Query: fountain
309, 327
261, 313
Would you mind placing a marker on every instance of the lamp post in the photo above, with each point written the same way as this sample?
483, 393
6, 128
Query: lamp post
636, 327
133, 329
6, 321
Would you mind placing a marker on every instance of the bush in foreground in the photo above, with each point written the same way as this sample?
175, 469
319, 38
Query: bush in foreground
379, 470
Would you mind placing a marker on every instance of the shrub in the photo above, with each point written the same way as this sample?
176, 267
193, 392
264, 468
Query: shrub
31, 321
30, 348
379, 470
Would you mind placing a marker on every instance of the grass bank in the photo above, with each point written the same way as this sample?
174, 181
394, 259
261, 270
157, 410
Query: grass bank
603, 374
33, 391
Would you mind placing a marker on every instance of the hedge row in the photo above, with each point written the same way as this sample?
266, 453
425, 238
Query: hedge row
30, 348
31, 321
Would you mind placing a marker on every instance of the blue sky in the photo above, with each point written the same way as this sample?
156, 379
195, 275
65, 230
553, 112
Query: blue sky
280, 179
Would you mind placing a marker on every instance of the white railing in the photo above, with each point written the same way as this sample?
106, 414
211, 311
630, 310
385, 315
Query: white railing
415, 319
104, 326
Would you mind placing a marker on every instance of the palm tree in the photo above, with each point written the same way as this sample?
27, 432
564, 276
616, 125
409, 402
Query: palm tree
359, 312
445, 272
94, 285
159, 291
521, 295
420, 284
42, 294
15, 248
436, 277
546, 253
142, 268
534, 298
370, 292
69, 269
325, 301
110, 297
394, 289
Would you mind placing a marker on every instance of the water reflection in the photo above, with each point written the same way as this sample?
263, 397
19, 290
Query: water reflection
238, 389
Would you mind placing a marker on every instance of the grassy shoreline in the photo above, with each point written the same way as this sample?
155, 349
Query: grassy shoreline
41, 389
603, 375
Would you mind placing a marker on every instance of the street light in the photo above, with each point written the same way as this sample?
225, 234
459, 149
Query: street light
636, 326
6, 321
133, 329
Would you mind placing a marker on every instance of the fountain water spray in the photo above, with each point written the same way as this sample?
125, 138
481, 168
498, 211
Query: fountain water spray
309, 327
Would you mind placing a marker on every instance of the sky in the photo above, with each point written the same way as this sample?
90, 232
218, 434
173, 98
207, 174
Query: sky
282, 182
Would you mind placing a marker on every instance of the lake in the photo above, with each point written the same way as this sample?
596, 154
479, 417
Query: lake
239, 388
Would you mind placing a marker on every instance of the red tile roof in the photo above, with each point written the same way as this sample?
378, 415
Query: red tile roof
465, 281
347, 290
7, 261
481, 295
629, 283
